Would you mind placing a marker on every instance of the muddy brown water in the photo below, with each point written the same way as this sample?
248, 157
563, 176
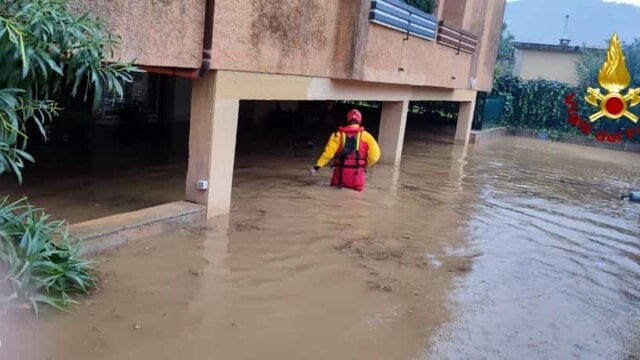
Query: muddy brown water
520, 249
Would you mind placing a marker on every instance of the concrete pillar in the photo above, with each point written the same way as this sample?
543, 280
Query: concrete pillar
393, 122
465, 119
212, 144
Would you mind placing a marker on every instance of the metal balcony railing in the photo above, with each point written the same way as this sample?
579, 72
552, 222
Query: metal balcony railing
456, 38
400, 16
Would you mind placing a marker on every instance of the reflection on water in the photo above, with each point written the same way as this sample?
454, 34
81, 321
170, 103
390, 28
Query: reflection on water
518, 249
559, 274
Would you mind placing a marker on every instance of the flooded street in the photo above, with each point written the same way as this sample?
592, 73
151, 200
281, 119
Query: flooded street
520, 249
558, 278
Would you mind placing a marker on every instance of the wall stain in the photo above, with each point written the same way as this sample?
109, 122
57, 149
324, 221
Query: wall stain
294, 25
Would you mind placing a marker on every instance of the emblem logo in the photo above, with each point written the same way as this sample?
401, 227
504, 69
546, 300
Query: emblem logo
614, 78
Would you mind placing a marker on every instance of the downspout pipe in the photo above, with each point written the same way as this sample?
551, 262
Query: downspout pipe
207, 43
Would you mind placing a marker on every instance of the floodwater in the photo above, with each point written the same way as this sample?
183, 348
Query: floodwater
79, 182
516, 249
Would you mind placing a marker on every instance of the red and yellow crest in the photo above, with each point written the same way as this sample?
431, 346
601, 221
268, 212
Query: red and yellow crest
613, 77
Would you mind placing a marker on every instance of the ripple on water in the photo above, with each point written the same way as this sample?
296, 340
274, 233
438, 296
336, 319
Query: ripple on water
520, 250
559, 273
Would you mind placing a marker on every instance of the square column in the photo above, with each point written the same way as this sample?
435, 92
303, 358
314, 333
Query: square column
393, 122
465, 119
212, 146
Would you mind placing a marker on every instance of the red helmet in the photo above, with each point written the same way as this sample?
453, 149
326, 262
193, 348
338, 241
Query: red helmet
354, 115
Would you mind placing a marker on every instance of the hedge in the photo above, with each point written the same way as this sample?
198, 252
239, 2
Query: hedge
540, 105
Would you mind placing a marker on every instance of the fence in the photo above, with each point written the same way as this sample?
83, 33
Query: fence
489, 109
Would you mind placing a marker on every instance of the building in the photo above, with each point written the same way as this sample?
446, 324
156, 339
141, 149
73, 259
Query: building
207, 57
547, 61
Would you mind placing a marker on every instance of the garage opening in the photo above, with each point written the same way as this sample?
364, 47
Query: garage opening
128, 155
432, 120
279, 141
295, 128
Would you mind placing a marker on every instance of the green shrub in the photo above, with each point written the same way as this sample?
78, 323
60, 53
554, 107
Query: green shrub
533, 104
38, 263
539, 105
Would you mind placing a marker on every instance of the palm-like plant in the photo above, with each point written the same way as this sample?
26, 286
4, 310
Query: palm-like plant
48, 54
40, 263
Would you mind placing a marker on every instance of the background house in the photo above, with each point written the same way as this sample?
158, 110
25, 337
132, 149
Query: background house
547, 61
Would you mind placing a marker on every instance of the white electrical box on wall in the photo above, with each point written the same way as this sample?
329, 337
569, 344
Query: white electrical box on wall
202, 184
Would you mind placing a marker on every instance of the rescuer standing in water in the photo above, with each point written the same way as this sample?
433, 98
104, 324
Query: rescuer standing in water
352, 149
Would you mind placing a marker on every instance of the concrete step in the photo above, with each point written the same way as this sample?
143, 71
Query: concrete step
117, 230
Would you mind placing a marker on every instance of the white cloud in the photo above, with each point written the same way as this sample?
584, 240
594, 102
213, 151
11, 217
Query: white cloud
628, 2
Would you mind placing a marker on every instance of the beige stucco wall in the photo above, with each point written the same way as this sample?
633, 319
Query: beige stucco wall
485, 58
321, 38
454, 11
334, 38
425, 63
306, 37
475, 14
558, 66
154, 32
262, 86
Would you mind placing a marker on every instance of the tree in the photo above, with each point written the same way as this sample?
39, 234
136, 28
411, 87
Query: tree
591, 60
47, 54
506, 51
505, 47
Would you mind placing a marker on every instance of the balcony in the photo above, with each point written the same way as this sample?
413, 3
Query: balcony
399, 16
390, 42
456, 38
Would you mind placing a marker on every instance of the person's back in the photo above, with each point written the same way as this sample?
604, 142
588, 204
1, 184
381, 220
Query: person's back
352, 149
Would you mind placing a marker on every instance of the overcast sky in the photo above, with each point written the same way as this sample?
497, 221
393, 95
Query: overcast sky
628, 2
591, 22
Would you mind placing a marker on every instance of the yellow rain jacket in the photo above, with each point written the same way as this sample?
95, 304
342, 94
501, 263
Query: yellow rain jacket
373, 153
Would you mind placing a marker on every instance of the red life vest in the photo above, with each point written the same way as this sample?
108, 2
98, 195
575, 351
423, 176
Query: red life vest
350, 160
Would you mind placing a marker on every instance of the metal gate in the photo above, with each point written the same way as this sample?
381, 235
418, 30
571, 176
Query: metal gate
489, 109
